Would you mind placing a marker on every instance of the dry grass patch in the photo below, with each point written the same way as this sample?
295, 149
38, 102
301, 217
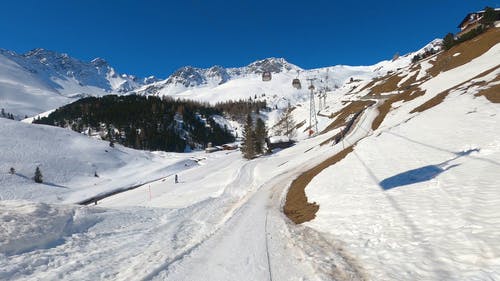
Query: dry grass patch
408, 83
384, 108
491, 93
468, 50
296, 206
431, 103
390, 84
343, 114
372, 83
441, 96
300, 124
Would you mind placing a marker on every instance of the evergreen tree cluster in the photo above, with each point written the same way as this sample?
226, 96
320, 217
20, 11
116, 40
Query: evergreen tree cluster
450, 40
142, 122
254, 138
238, 110
5, 114
490, 16
423, 55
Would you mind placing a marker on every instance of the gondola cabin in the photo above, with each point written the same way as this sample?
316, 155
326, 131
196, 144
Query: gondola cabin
266, 76
296, 84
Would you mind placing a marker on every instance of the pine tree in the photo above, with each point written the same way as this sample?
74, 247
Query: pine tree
448, 41
248, 148
286, 126
489, 17
260, 136
38, 178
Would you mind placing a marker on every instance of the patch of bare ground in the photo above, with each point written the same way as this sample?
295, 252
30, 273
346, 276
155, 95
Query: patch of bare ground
390, 84
300, 124
441, 96
491, 93
468, 50
341, 116
385, 107
348, 127
406, 85
431, 103
297, 208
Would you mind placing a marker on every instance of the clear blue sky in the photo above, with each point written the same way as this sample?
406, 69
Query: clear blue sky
156, 37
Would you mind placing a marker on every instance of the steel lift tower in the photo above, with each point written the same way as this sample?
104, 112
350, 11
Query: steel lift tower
313, 121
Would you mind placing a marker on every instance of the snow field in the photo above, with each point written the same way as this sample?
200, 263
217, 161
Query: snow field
417, 201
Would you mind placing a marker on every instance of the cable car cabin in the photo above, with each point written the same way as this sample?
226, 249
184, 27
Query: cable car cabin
266, 76
296, 84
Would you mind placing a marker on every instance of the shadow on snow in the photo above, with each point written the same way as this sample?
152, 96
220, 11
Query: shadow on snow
422, 174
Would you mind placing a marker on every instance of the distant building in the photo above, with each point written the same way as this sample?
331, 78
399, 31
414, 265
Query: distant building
471, 21
278, 142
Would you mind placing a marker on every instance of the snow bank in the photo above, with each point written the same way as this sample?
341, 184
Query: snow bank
26, 226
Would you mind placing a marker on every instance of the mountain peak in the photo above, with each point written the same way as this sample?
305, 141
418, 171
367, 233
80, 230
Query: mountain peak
272, 64
99, 62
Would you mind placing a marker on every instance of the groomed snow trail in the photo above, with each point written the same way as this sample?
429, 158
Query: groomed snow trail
258, 243
222, 222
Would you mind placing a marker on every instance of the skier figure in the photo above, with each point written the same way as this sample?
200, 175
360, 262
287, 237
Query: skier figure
176, 179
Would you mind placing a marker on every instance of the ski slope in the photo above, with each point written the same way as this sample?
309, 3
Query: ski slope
69, 161
421, 201
417, 198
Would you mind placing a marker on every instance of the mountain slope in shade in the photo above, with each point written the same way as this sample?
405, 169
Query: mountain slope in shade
41, 80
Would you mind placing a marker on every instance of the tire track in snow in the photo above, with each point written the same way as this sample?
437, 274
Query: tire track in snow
267, 251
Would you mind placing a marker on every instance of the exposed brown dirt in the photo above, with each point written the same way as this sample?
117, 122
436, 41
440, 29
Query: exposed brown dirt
296, 206
385, 107
492, 93
369, 85
300, 124
431, 103
406, 85
468, 50
390, 84
441, 96
342, 115
340, 135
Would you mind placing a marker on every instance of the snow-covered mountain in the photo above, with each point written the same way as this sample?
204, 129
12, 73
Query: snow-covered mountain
218, 84
40, 80
187, 78
401, 183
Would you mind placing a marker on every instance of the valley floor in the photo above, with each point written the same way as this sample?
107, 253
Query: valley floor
427, 212
222, 221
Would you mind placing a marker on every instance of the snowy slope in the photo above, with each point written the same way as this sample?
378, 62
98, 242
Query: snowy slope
69, 161
221, 222
41, 80
418, 198
246, 82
